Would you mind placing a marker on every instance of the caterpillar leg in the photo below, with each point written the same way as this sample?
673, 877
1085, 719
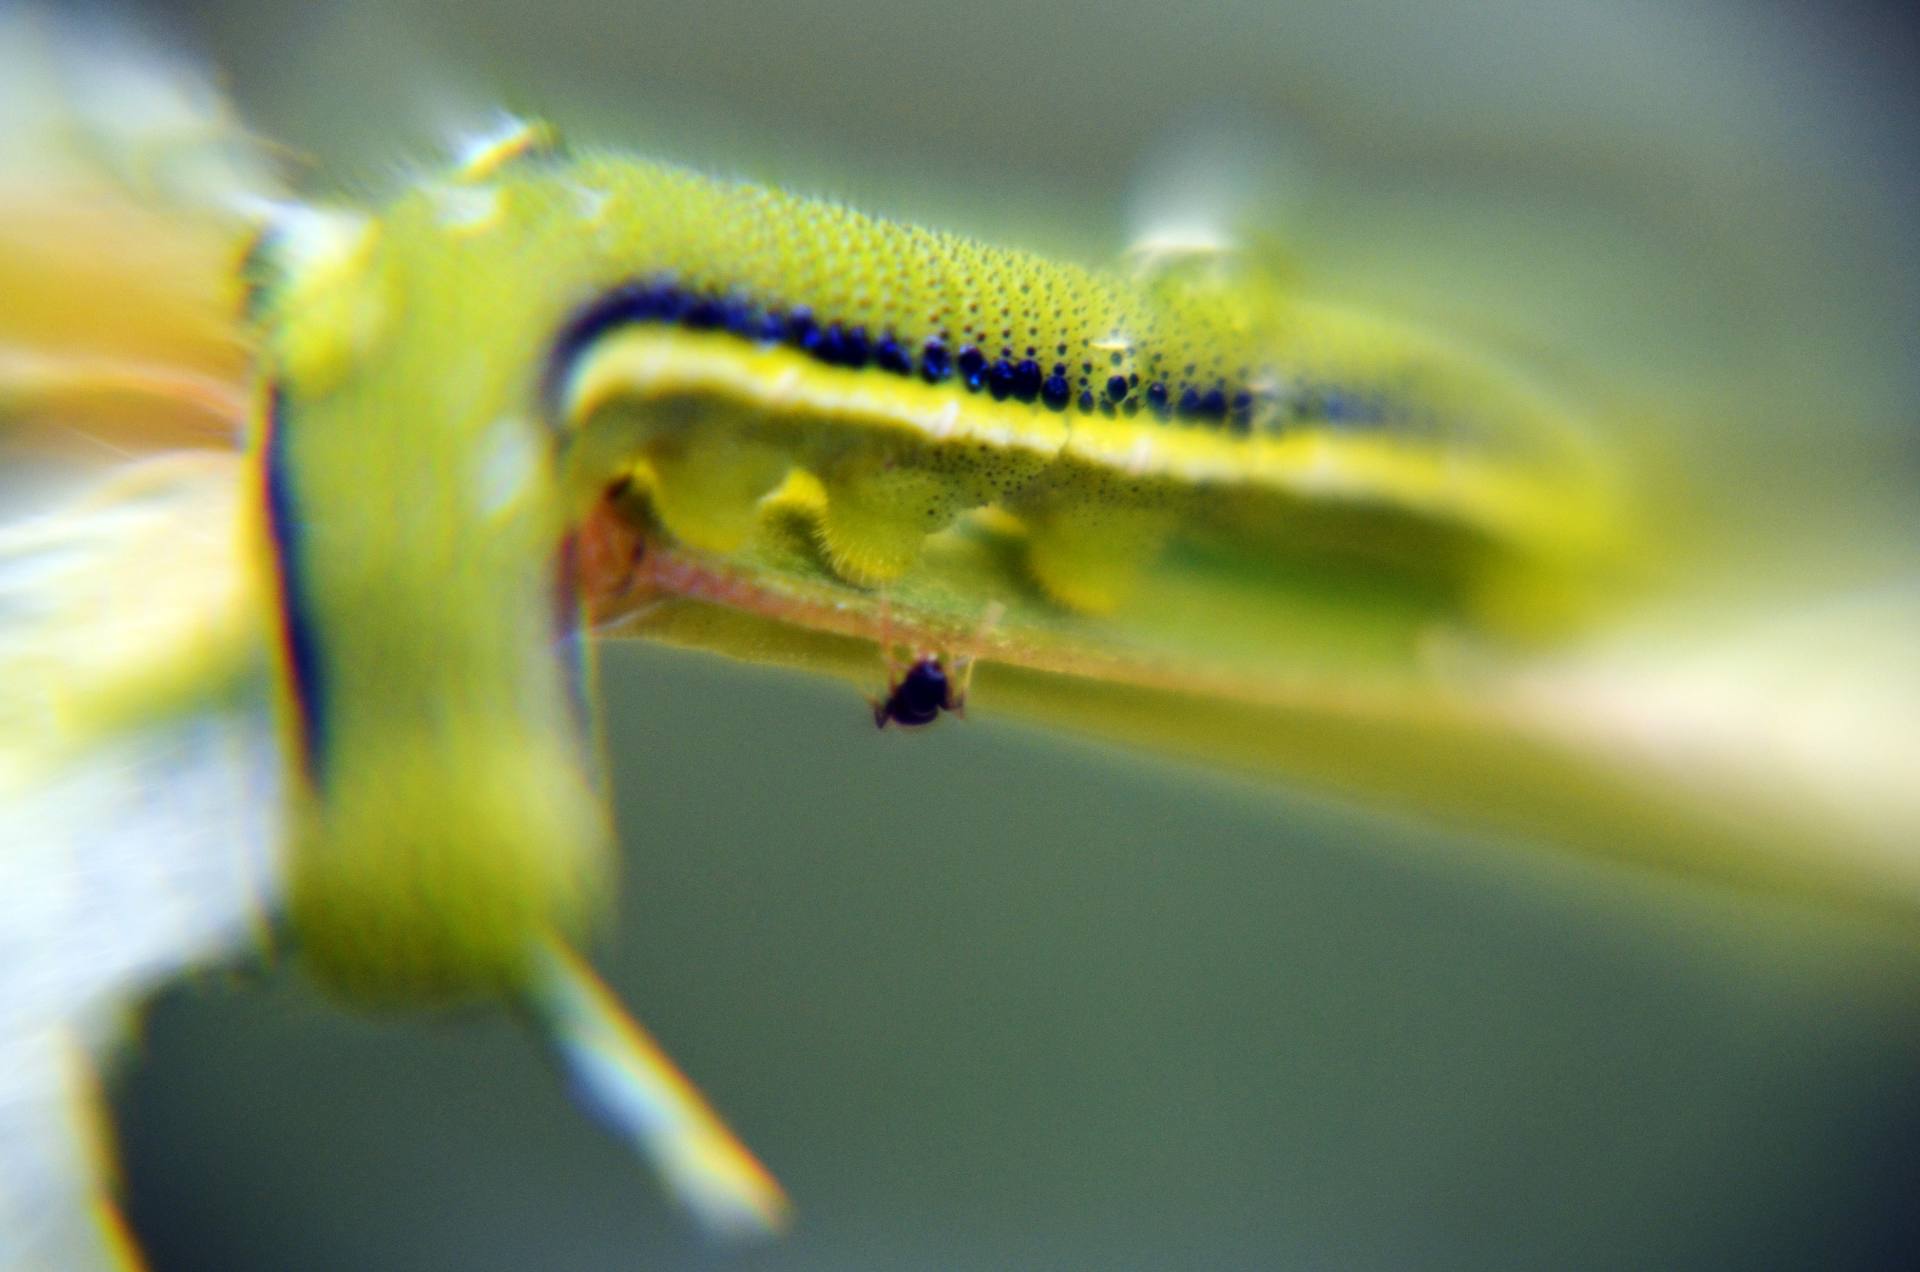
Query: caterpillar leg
876, 518
708, 485
880, 505
1090, 539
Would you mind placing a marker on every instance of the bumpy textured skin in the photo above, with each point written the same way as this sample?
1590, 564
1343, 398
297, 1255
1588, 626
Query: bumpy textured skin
918, 375
447, 388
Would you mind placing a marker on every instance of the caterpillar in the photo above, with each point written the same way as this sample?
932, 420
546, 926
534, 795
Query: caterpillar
505, 344
549, 392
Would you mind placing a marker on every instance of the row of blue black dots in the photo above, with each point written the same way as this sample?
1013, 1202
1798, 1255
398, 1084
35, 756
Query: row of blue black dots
833, 343
851, 346
1212, 405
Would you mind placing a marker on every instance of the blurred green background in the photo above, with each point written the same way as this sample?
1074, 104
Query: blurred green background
985, 998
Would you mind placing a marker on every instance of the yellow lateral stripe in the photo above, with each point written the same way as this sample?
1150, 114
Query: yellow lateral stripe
645, 361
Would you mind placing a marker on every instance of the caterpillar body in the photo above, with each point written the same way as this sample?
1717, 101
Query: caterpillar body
450, 386
551, 393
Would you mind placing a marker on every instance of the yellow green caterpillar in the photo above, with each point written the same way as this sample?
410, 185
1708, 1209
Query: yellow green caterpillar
449, 386
547, 392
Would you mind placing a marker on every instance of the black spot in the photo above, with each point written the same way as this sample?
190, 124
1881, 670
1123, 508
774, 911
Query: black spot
935, 362
973, 367
855, 348
889, 356
1086, 401
1055, 392
1116, 386
802, 331
1026, 380
738, 317
1157, 397
1213, 405
1000, 379
703, 314
1190, 403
